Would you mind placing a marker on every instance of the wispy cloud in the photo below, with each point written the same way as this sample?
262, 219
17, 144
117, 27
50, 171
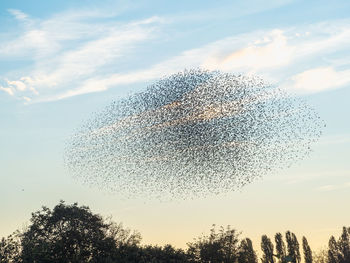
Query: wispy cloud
319, 79
72, 55
66, 50
19, 15
301, 178
7, 90
17, 84
333, 187
271, 50
261, 52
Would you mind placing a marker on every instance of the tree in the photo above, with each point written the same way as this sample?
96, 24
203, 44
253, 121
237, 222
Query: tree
339, 251
320, 256
68, 233
218, 247
293, 247
267, 249
344, 245
165, 254
307, 251
246, 252
10, 248
333, 251
122, 236
280, 248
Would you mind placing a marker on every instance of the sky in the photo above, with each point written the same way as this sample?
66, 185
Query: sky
61, 61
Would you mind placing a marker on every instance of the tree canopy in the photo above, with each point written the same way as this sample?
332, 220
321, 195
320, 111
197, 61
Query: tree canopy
68, 233
339, 250
72, 234
219, 247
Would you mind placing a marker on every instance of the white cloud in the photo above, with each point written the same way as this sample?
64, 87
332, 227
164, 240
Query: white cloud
18, 14
267, 51
333, 187
198, 57
270, 51
319, 79
102, 84
58, 63
262, 53
19, 85
7, 90
27, 99
41, 39
326, 38
72, 56
89, 57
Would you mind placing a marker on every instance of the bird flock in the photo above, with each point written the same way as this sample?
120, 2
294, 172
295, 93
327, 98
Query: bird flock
192, 134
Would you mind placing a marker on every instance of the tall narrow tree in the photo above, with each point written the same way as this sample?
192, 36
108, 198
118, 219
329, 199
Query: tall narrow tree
293, 247
339, 251
267, 249
344, 245
307, 251
246, 252
280, 248
333, 251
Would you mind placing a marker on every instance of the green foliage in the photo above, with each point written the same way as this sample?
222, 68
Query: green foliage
10, 248
149, 254
344, 245
73, 234
246, 252
307, 251
280, 248
122, 236
267, 249
68, 233
339, 251
293, 247
164, 254
320, 256
218, 247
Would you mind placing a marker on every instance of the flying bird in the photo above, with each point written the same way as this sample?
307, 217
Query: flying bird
191, 134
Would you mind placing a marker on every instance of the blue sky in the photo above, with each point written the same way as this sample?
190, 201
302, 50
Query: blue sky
60, 61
